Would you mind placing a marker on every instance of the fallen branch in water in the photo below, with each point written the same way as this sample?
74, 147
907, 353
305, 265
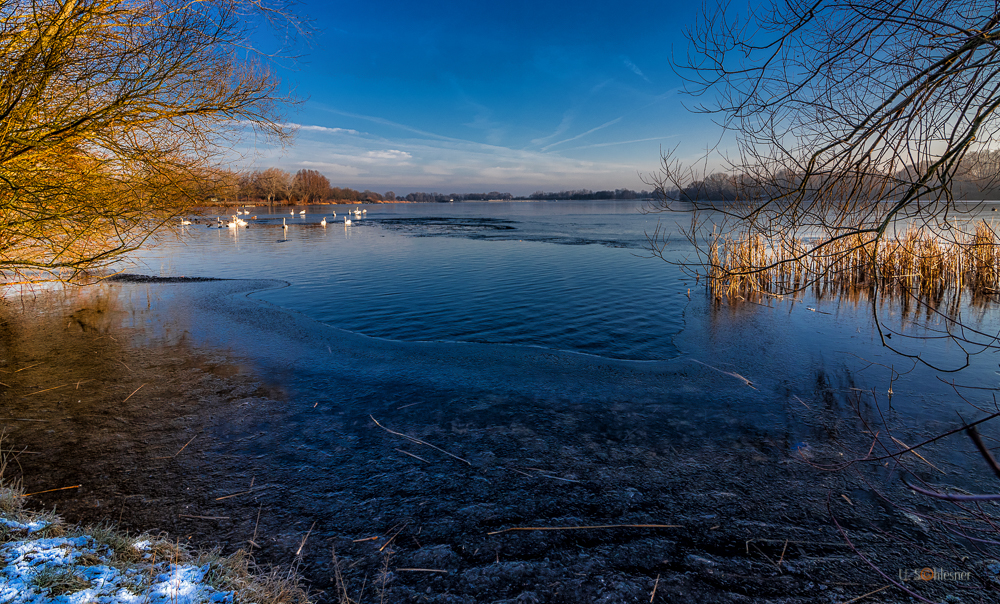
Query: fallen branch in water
949, 497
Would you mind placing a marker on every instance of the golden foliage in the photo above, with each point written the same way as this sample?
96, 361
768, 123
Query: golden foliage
111, 114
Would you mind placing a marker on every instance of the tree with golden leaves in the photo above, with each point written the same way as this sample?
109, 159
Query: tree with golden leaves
112, 115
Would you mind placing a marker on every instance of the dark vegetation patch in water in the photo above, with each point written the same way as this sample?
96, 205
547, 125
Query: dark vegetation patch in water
129, 278
435, 226
485, 228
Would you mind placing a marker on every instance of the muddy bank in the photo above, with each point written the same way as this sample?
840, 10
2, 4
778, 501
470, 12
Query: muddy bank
187, 408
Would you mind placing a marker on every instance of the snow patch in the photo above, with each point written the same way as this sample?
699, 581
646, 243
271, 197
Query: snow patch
24, 559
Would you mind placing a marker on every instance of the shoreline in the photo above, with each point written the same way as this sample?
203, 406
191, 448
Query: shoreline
175, 428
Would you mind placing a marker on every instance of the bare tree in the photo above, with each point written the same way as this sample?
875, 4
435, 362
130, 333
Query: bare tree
852, 121
310, 185
275, 183
111, 114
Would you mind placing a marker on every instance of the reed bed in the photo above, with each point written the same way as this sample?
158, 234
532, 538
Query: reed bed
915, 264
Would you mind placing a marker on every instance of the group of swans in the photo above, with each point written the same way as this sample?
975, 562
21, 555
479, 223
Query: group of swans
237, 222
323, 222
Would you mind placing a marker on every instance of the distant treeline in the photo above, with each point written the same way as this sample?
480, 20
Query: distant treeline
275, 185
584, 194
977, 178
441, 197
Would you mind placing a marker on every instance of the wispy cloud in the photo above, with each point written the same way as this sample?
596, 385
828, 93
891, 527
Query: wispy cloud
385, 122
311, 128
389, 154
406, 158
638, 140
634, 68
579, 136
332, 169
561, 129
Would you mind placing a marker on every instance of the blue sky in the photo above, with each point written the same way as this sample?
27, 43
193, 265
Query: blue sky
516, 96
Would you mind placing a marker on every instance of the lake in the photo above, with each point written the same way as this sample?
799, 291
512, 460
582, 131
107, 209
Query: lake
569, 276
561, 275
436, 373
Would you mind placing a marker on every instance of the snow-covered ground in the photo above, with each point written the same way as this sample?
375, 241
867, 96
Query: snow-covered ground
82, 570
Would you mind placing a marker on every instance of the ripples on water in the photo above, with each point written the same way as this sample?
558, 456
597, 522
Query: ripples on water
562, 275
571, 276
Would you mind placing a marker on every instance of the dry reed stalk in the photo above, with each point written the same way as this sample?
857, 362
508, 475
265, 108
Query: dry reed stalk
396, 534
824, 543
418, 441
922, 458
251, 490
179, 450
342, 596
253, 540
915, 263
412, 455
133, 392
863, 596
46, 390
76, 486
303, 544
581, 528
729, 373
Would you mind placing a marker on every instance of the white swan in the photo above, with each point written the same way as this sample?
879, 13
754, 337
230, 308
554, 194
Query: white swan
323, 222
347, 221
364, 211
292, 212
284, 225
302, 213
185, 222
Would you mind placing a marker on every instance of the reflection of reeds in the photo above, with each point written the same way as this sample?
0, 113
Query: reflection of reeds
912, 264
